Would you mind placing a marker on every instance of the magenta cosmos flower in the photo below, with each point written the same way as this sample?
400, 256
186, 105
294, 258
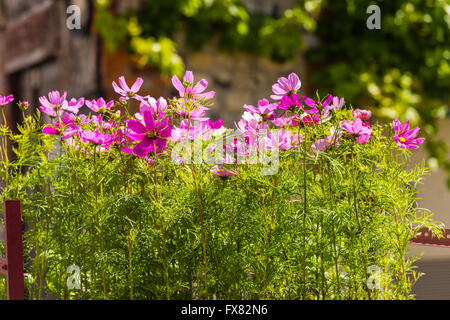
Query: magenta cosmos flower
4, 100
195, 92
405, 137
286, 86
289, 103
316, 105
125, 91
152, 134
263, 108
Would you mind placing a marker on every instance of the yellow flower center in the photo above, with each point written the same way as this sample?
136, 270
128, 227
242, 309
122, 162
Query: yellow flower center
151, 134
402, 139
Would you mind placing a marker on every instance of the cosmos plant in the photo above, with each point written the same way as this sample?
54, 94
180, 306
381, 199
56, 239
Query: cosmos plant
301, 198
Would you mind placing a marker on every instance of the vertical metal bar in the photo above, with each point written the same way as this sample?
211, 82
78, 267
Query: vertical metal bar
13, 246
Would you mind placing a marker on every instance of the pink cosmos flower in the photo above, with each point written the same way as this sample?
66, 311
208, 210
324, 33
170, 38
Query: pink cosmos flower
405, 137
362, 114
331, 103
152, 134
99, 106
337, 103
249, 130
189, 91
74, 105
286, 86
127, 92
55, 103
281, 139
97, 137
238, 147
4, 100
263, 108
245, 126
357, 127
155, 106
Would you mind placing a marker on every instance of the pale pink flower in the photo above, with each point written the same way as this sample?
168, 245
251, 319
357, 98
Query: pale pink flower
286, 86
127, 92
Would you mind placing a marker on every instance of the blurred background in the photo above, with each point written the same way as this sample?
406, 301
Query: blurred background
392, 57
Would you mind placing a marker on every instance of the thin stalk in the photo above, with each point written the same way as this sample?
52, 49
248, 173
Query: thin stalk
333, 234
163, 233
359, 222
205, 260
304, 225
5, 149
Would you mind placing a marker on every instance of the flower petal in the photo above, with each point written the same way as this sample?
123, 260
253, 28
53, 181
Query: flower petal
137, 85
149, 120
200, 87
124, 84
136, 126
178, 85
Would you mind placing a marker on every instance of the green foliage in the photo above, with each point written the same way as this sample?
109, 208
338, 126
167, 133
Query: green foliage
149, 32
400, 71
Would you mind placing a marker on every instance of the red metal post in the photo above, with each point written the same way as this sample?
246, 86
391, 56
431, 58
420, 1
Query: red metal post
13, 246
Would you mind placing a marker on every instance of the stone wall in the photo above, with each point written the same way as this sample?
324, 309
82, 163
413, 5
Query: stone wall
41, 53
238, 78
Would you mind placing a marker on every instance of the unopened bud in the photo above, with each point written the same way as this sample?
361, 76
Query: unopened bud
23, 105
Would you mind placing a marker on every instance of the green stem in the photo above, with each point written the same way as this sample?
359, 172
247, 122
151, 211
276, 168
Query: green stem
359, 222
203, 237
